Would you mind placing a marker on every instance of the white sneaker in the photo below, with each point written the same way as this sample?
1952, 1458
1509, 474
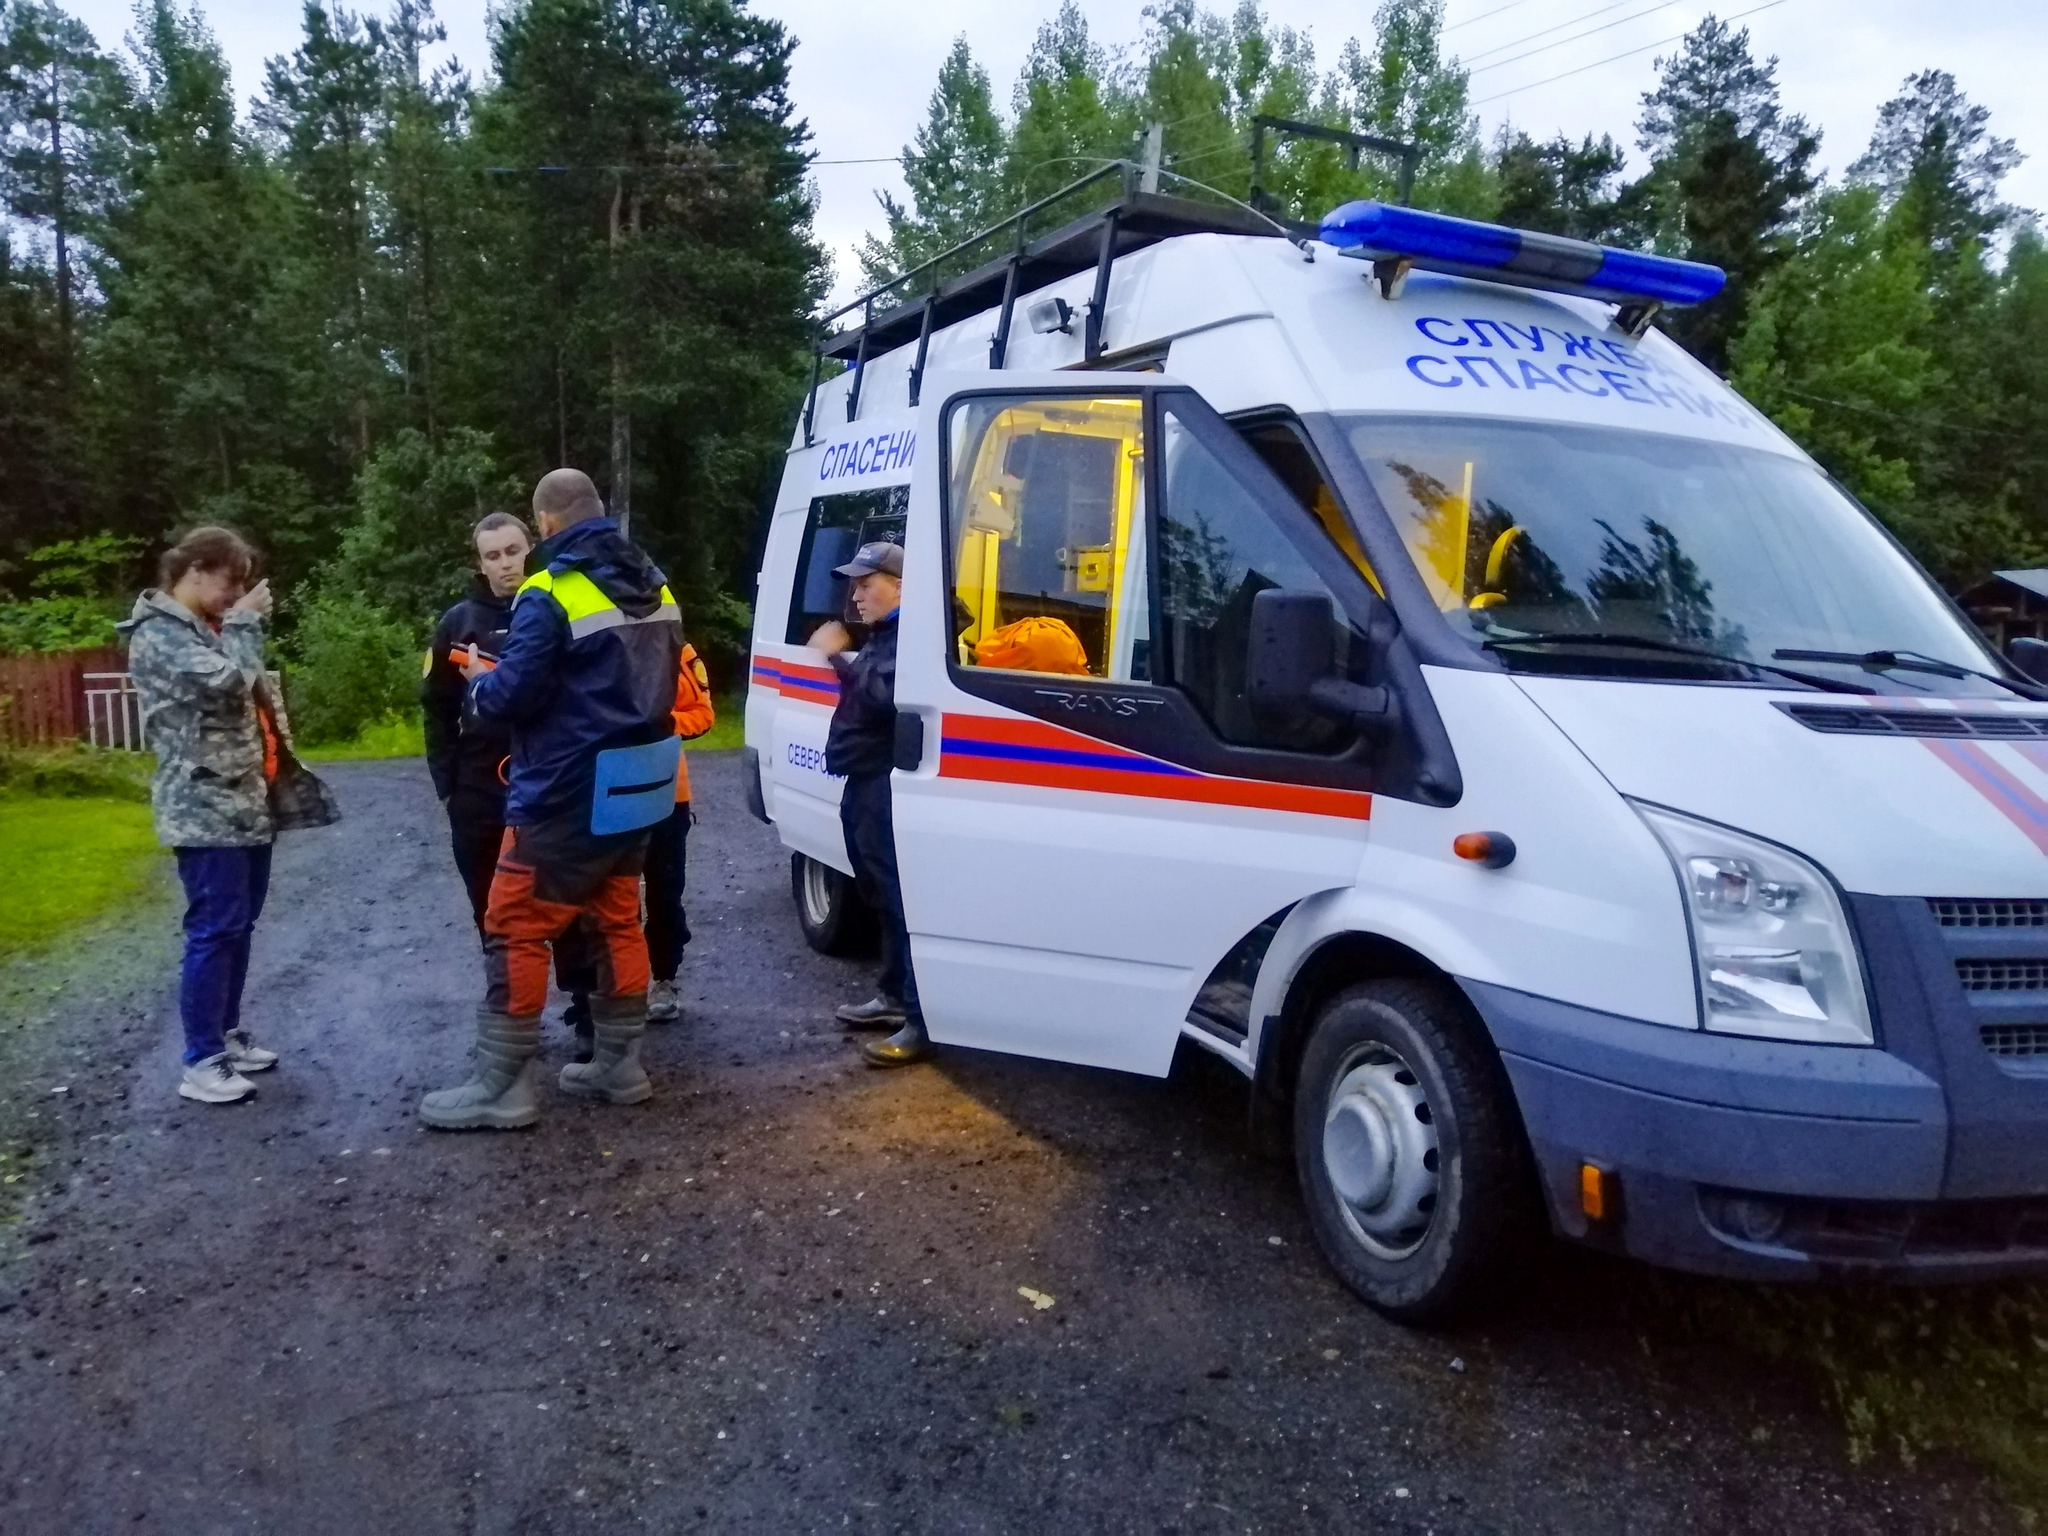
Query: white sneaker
662, 1003
245, 1055
215, 1081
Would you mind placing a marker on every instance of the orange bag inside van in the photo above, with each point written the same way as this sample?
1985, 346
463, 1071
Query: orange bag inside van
1034, 645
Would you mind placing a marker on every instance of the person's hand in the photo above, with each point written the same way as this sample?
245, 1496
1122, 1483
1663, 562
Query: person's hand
256, 600
831, 637
473, 665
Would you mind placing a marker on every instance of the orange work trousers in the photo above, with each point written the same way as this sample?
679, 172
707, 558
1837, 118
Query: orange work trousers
546, 880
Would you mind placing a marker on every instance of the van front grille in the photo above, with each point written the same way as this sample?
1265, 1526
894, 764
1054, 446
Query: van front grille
1964, 913
2015, 1039
2003, 975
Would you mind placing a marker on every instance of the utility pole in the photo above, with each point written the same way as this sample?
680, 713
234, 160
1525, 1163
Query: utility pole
1155, 144
59, 206
622, 416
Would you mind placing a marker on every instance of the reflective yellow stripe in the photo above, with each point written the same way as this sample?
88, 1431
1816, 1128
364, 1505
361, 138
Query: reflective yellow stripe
585, 606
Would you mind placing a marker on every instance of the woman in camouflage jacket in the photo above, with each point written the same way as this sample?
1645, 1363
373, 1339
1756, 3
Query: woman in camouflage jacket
195, 656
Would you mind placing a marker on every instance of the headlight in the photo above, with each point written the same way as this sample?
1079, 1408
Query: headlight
1770, 939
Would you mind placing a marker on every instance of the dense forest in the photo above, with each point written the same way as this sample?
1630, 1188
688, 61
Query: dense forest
380, 299
378, 303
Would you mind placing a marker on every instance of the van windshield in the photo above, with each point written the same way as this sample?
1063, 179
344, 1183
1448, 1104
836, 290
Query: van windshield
1592, 552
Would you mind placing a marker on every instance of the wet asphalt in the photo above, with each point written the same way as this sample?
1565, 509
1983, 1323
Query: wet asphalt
785, 1295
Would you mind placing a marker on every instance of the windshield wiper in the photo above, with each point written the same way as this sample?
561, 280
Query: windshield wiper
1910, 661
1668, 647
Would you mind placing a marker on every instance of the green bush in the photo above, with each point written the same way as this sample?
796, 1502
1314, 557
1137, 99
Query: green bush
353, 665
59, 624
75, 773
72, 602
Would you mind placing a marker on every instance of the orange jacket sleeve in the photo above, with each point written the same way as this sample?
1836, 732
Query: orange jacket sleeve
694, 714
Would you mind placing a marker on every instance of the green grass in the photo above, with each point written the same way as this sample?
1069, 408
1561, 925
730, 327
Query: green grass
70, 859
400, 736
730, 733
1955, 1373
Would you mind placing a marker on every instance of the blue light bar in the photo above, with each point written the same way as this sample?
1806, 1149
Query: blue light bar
1436, 242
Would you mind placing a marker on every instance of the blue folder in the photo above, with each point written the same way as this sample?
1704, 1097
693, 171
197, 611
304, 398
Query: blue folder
636, 786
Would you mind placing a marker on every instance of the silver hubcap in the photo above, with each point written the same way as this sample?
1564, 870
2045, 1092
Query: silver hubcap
817, 893
1379, 1145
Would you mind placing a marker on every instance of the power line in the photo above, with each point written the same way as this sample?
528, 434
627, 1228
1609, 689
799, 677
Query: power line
1484, 15
1605, 26
1612, 58
1615, 5
879, 160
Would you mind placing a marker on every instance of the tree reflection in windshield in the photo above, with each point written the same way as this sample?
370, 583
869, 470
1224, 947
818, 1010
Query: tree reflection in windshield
1537, 528
1658, 592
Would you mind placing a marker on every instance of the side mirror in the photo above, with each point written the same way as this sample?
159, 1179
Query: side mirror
2030, 657
1291, 664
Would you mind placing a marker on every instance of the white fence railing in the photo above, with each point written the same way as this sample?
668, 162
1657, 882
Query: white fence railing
113, 712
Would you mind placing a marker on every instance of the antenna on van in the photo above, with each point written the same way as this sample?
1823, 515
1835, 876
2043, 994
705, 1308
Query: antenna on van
1409, 154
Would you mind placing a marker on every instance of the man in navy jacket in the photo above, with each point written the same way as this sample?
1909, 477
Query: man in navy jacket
589, 667
860, 746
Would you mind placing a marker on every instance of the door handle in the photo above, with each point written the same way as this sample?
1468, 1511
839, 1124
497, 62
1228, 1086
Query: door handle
909, 753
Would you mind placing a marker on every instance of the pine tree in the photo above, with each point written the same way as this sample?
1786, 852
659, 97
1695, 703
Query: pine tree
59, 97
651, 228
425, 180
1728, 170
1075, 111
187, 374
1932, 153
1403, 88
1560, 188
953, 168
41, 497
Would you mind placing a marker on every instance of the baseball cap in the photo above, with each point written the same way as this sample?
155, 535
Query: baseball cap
870, 558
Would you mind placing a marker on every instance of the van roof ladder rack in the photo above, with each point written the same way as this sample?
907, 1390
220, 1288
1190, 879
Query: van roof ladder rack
920, 301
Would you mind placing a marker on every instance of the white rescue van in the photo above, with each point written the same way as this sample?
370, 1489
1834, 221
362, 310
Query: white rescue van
1415, 680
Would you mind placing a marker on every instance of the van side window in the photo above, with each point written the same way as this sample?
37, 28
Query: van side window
835, 528
1286, 452
1045, 529
1218, 549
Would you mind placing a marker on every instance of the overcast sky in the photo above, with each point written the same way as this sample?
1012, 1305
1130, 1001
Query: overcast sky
864, 70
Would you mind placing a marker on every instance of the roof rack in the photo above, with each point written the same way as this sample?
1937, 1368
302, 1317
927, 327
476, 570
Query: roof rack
1134, 220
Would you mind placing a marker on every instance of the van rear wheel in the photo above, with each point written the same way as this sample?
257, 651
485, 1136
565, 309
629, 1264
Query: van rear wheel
1408, 1155
829, 909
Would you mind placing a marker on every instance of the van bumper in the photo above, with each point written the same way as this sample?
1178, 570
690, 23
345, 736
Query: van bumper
1751, 1159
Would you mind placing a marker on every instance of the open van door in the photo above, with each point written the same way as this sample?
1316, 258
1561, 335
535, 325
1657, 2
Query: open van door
1097, 814
847, 489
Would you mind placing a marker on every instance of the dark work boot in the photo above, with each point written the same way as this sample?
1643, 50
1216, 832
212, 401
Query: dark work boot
577, 1017
879, 1012
501, 1096
613, 1073
908, 1044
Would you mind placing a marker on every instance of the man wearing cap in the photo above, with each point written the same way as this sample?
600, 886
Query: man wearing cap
861, 747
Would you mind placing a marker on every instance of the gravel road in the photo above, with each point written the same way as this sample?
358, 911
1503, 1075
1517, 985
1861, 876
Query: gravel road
783, 1296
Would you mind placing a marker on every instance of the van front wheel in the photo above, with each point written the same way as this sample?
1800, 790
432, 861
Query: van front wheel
1408, 1157
829, 909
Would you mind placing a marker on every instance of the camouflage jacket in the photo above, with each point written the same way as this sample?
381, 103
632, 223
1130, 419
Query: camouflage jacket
199, 694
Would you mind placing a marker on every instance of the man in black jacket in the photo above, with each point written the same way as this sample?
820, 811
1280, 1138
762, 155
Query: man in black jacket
467, 762
861, 746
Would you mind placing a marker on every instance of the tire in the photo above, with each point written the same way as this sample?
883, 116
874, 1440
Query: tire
1409, 1155
829, 909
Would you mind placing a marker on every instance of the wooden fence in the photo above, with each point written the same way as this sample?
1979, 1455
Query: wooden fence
42, 696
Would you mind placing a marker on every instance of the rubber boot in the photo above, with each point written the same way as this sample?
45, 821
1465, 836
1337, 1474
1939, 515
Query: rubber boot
614, 1073
503, 1094
908, 1044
